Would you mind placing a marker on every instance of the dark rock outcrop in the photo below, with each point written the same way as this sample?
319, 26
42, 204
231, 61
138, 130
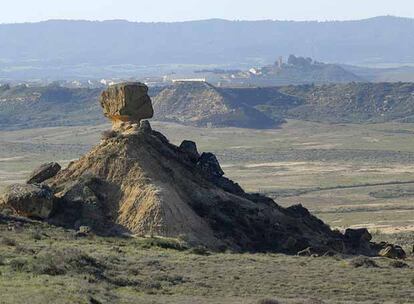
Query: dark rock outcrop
44, 172
190, 148
80, 203
209, 165
356, 235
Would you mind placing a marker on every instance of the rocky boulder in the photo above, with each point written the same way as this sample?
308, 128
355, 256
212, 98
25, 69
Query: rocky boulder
209, 165
393, 252
35, 201
44, 172
359, 239
79, 204
126, 102
190, 148
358, 235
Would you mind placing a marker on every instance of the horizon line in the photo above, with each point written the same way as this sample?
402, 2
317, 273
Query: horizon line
207, 19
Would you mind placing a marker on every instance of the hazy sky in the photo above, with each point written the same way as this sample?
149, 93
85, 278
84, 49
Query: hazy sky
177, 10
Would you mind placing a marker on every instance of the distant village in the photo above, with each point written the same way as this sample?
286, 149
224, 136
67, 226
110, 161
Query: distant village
216, 76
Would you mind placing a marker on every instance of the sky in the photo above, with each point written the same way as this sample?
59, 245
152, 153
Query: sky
13, 11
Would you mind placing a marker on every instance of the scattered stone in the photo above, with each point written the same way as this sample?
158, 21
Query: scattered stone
126, 102
29, 200
392, 252
209, 165
190, 148
44, 172
83, 231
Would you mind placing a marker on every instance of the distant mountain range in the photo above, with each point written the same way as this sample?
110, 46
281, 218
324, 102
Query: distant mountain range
201, 104
84, 48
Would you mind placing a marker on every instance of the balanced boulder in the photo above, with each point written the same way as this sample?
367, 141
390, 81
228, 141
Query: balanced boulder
126, 102
35, 201
44, 172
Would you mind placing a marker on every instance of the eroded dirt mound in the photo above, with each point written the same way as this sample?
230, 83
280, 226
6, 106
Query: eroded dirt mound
142, 184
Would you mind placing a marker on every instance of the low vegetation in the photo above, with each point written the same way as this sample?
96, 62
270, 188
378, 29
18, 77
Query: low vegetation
94, 269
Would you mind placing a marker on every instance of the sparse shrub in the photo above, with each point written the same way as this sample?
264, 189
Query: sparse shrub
399, 264
6, 211
18, 265
362, 262
313, 301
161, 242
122, 281
200, 250
268, 301
149, 286
21, 249
37, 235
48, 265
107, 134
67, 260
2, 260
133, 271
170, 279
8, 242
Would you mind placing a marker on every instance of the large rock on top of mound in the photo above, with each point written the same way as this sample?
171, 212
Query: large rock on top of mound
127, 102
33, 201
44, 172
146, 185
